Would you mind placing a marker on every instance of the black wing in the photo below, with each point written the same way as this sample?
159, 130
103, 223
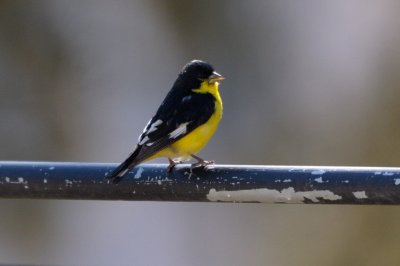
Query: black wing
177, 116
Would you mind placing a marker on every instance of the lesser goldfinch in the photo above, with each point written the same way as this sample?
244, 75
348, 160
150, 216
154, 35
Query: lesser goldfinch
183, 124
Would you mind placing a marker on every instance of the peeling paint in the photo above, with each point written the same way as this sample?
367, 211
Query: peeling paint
287, 180
397, 181
318, 172
265, 195
319, 180
388, 173
20, 180
360, 194
139, 173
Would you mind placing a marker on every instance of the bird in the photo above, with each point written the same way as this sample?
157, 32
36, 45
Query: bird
183, 124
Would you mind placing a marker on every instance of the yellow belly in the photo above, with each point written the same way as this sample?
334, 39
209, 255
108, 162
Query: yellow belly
193, 142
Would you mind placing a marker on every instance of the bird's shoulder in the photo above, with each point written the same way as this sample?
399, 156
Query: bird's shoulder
179, 113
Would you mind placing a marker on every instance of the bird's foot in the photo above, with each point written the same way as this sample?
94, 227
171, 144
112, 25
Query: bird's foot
172, 164
201, 163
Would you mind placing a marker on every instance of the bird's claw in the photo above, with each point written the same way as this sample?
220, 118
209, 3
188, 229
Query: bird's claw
171, 165
201, 164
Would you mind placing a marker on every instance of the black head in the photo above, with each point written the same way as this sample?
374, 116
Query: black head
195, 72
197, 69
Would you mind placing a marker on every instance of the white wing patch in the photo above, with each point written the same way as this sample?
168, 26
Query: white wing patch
153, 127
144, 140
186, 98
147, 126
180, 130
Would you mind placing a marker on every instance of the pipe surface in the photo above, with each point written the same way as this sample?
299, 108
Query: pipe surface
216, 183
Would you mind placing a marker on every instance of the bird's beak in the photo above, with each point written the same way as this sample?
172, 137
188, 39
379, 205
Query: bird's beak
215, 77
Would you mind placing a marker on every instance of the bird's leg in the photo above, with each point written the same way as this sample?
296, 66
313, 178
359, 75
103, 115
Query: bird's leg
200, 162
172, 164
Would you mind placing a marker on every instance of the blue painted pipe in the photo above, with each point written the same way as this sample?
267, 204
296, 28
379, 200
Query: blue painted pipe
216, 183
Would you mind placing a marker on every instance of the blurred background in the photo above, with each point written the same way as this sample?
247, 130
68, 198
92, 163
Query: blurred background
307, 83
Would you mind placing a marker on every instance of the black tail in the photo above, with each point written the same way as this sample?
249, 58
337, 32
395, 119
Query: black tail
126, 166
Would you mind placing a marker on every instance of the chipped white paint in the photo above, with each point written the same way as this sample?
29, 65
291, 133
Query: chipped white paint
345, 181
68, 182
384, 173
319, 180
180, 130
397, 181
139, 173
388, 173
45, 181
265, 195
52, 168
318, 172
26, 187
360, 194
159, 182
20, 180
287, 181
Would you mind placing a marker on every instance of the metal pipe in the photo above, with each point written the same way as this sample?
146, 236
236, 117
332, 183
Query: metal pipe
216, 183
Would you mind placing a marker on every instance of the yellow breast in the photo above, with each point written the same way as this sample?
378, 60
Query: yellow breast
198, 138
